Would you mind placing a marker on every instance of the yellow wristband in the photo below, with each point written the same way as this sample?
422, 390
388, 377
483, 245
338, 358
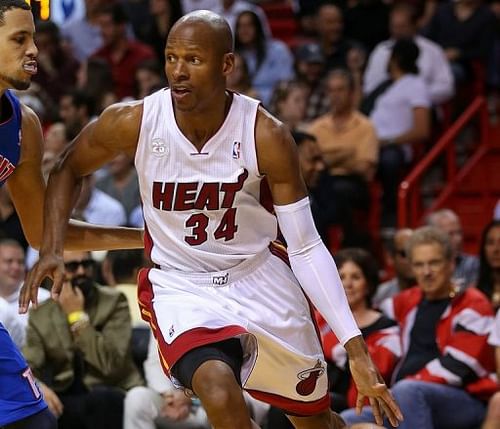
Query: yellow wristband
76, 316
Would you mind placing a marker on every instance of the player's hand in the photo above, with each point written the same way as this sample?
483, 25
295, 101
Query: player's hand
371, 385
47, 266
176, 405
55, 405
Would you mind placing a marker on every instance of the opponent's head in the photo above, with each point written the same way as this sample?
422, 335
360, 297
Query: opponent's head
198, 59
17, 47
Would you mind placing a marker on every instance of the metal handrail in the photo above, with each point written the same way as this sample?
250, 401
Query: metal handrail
407, 195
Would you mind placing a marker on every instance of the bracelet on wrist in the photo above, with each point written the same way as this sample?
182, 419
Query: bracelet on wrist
77, 316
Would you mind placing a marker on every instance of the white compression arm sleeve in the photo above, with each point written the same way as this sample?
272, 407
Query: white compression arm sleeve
315, 269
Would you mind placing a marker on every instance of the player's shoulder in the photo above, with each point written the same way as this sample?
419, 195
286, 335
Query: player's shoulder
29, 117
268, 127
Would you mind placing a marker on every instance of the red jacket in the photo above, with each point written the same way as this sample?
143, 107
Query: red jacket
466, 359
383, 346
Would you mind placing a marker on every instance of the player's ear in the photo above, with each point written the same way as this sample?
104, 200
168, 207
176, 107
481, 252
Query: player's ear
228, 63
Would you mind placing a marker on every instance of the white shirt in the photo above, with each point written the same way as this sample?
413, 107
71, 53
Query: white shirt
103, 209
494, 338
432, 64
13, 302
12, 323
392, 114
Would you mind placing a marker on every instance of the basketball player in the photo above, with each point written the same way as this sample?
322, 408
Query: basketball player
225, 307
21, 403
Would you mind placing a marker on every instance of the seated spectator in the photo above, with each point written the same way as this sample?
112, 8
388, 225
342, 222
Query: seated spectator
310, 69
401, 117
404, 277
359, 274
489, 263
123, 54
96, 81
288, 103
466, 266
433, 67
356, 63
231, 9
57, 68
269, 60
349, 146
149, 77
160, 404
55, 138
76, 109
239, 79
445, 375
492, 420
79, 349
465, 29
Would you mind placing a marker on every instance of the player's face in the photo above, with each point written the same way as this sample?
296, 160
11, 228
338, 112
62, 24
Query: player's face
17, 50
432, 270
354, 282
196, 70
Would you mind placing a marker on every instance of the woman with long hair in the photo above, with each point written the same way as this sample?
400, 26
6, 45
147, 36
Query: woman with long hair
489, 263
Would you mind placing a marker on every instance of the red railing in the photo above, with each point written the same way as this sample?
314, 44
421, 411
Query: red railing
409, 205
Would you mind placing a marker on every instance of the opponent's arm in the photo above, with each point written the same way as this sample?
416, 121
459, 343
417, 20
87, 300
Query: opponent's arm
115, 131
312, 263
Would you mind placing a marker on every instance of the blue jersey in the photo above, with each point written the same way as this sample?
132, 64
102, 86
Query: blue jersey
19, 395
10, 136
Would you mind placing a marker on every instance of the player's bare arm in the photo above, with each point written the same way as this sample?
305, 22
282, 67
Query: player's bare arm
115, 131
278, 161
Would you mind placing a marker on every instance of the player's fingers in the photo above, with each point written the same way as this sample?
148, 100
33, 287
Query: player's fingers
360, 401
391, 403
25, 295
57, 285
389, 413
377, 413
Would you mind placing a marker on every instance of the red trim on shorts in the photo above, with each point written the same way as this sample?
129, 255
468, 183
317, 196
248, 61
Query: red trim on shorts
291, 406
196, 337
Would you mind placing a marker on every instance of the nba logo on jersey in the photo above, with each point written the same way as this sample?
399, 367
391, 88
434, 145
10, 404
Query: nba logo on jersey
236, 150
159, 147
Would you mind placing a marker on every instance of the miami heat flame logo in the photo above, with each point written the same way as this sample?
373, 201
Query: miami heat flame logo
308, 379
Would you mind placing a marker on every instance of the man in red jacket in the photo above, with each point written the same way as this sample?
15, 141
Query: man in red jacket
445, 375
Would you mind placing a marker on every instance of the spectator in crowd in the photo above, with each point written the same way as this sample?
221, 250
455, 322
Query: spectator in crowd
401, 117
466, 266
269, 60
492, 420
121, 183
57, 68
432, 64
12, 272
123, 54
366, 21
239, 79
191, 5
288, 103
149, 77
310, 68
84, 35
163, 15
10, 321
79, 348
76, 109
330, 28
355, 63
489, 263
160, 404
231, 9
349, 147
445, 375
359, 274
465, 29
96, 81
404, 277
55, 138
10, 225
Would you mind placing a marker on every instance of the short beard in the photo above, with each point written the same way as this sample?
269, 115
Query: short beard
20, 85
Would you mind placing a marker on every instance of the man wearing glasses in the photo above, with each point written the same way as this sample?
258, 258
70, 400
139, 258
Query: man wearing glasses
78, 347
445, 375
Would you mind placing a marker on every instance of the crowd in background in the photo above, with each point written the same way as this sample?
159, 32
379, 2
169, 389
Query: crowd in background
363, 86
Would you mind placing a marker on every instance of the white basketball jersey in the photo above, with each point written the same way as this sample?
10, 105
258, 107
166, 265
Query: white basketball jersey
202, 210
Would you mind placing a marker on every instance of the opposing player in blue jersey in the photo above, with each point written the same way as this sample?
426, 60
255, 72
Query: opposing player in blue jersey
21, 149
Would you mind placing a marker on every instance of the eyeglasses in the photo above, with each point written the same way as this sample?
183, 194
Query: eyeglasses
72, 267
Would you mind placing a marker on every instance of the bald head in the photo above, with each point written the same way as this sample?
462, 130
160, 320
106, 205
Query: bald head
209, 26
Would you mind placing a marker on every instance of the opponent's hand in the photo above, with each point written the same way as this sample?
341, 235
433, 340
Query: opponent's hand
54, 403
371, 385
47, 266
176, 405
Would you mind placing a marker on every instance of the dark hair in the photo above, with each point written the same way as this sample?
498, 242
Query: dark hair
260, 37
281, 92
50, 28
485, 279
125, 263
6, 5
405, 52
408, 9
366, 263
117, 12
81, 98
300, 137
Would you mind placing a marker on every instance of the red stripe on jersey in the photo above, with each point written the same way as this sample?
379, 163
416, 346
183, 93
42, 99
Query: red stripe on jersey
148, 242
292, 407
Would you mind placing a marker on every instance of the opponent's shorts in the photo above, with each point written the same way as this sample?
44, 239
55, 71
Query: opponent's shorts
260, 302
